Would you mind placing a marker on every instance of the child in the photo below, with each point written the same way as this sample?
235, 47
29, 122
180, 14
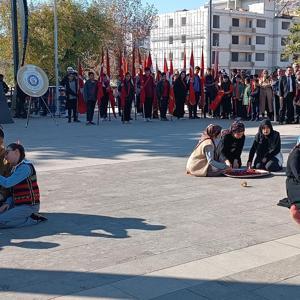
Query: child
4, 167
254, 98
246, 99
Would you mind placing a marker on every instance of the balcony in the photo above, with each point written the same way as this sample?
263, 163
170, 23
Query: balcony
243, 48
243, 30
241, 64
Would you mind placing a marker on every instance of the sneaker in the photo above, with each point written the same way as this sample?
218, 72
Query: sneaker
38, 217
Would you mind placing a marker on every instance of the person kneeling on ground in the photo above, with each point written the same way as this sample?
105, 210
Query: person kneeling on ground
202, 161
266, 147
21, 209
231, 145
293, 182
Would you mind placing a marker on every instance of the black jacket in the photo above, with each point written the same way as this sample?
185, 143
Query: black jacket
293, 176
265, 146
69, 91
160, 88
283, 86
180, 89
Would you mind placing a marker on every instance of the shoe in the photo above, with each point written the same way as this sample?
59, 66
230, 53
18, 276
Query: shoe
196, 117
76, 121
38, 217
92, 123
69, 121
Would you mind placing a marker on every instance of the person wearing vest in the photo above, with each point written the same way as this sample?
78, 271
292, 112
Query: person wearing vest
202, 162
20, 209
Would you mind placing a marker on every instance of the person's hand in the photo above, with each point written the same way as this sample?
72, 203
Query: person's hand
227, 162
228, 169
235, 164
249, 163
4, 207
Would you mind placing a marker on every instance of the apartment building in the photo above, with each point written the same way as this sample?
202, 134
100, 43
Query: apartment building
247, 34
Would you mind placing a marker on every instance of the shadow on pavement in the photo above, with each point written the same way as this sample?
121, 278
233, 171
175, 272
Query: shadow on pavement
74, 224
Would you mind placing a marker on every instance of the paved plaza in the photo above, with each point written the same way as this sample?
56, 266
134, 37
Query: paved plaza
126, 222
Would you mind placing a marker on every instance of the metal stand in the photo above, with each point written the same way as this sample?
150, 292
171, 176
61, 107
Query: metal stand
47, 107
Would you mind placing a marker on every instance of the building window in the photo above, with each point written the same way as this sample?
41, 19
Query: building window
283, 41
235, 39
213, 56
235, 22
234, 56
260, 40
261, 23
183, 39
285, 25
250, 24
171, 21
249, 57
183, 21
216, 21
259, 56
170, 39
249, 41
171, 55
216, 41
284, 58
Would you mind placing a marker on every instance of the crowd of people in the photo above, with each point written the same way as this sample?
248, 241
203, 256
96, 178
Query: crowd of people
235, 96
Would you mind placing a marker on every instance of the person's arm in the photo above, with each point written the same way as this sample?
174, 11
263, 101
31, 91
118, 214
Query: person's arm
295, 166
209, 153
276, 147
240, 148
252, 151
21, 173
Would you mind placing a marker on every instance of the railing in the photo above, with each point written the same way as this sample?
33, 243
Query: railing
250, 48
242, 29
241, 64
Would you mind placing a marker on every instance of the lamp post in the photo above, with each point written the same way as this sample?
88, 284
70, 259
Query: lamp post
14, 22
57, 112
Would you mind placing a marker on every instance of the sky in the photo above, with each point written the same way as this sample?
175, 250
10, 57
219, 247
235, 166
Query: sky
164, 6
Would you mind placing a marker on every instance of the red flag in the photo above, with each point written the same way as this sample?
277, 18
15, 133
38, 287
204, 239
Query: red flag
110, 92
165, 66
125, 65
184, 59
192, 97
121, 67
81, 104
99, 84
216, 65
142, 93
171, 106
149, 62
214, 105
202, 79
171, 68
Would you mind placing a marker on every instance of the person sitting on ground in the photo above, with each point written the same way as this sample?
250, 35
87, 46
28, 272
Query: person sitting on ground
231, 145
21, 209
266, 146
293, 181
4, 167
202, 162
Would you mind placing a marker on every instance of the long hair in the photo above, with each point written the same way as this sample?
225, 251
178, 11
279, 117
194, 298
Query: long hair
15, 146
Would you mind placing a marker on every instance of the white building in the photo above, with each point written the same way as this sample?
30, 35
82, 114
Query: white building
246, 33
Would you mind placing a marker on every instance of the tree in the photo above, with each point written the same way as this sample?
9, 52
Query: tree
293, 45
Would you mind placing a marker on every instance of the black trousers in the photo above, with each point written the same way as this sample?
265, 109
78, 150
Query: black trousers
127, 109
287, 108
72, 107
271, 165
103, 106
193, 108
90, 105
163, 105
226, 106
148, 107
179, 109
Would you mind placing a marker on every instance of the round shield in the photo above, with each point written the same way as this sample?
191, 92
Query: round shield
32, 80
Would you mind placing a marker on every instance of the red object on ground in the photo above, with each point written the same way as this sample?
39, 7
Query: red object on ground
295, 213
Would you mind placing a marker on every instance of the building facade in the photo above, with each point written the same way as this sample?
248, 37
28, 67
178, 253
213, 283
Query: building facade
247, 34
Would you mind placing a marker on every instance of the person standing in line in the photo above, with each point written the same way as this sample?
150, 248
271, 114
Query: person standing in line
105, 97
180, 93
287, 92
90, 97
246, 111
297, 98
254, 98
266, 95
226, 86
128, 92
197, 89
163, 93
210, 90
71, 93
237, 97
149, 89
3, 87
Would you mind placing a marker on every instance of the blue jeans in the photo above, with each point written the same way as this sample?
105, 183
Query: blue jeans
18, 216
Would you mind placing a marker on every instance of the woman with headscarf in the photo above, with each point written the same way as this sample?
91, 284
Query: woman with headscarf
266, 147
180, 92
293, 181
231, 145
202, 162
